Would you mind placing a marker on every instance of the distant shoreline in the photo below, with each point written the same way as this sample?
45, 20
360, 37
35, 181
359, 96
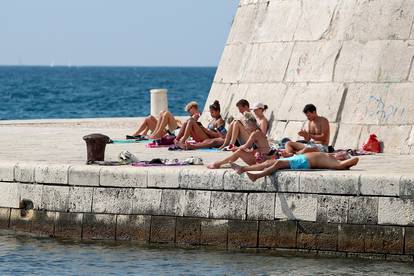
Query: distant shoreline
105, 66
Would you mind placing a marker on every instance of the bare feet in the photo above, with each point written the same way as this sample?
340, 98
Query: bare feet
214, 165
350, 162
181, 144
237, 168
253, 177
189, 146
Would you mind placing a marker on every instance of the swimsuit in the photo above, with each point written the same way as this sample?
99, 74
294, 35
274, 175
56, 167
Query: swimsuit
319, 147
222, 130
298, 162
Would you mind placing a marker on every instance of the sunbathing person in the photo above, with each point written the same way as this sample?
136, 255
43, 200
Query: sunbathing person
215, 129
311, 160
254, 151
154, 125
237, 130
258, 110
149, 124
316, 137
169, 125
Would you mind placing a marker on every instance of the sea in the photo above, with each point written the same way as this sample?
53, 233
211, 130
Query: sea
22, 255
34, 92
28, 92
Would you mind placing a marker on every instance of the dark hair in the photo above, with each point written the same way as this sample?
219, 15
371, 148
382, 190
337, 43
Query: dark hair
309, 108
243, 102
215, 106
265, 107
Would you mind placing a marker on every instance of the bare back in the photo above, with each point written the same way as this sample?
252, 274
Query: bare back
261, 141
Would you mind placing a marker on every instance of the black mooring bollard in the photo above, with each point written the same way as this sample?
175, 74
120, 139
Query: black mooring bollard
95, 146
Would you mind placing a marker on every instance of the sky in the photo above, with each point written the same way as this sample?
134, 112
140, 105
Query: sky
109, 32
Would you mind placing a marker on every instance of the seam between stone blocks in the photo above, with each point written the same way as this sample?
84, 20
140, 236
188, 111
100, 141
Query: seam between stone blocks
403, 233
82, 222
116, 227
150, 229
293, 40
288, 64
410, 68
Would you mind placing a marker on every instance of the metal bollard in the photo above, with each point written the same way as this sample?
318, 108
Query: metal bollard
159, 101
95, 146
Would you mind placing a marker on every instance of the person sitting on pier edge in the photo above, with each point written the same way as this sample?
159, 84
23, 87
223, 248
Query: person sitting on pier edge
215, 129
193, 128
316, 138
237, 130
306, 161
166, 124
255, 150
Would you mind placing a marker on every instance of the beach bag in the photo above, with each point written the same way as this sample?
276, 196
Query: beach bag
166, 140
372, 144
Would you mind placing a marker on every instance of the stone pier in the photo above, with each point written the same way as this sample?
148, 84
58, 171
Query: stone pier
366, 212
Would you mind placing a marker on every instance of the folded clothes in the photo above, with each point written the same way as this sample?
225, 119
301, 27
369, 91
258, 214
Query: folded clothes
138, 137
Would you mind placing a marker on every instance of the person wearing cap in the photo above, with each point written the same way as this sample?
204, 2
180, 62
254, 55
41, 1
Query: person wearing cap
258, 110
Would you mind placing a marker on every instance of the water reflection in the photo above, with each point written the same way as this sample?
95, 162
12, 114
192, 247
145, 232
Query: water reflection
33, 256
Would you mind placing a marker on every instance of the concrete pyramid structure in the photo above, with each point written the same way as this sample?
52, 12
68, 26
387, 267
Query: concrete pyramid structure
353, 59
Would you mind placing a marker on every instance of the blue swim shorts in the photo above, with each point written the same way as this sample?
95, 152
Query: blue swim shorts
298, 162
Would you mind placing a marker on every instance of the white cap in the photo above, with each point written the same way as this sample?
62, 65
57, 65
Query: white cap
257, 106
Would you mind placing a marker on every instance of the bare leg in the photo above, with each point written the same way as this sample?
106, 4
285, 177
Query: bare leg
194, 130
293, 147
149, 124
255, 167
166, 119
320, 160
278, 165
209, 143
228, 135
247, 157
181, 132
239, 131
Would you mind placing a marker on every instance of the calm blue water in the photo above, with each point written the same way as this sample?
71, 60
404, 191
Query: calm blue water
29, 256
88, 92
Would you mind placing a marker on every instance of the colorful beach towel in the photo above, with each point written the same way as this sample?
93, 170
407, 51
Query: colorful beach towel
130, 141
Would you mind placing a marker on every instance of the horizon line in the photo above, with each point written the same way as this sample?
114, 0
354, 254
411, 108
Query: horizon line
113, 65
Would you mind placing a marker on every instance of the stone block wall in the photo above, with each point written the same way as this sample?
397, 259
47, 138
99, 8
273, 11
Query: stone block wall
351, 58
329, 213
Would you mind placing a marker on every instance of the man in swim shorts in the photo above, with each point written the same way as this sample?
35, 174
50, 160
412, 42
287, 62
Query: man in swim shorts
311, 160
316, 137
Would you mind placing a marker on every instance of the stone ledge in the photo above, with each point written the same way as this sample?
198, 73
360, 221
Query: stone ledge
309, 182
287, 238
253, 205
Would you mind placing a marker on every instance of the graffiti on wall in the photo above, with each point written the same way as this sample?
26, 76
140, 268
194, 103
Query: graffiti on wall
378, 109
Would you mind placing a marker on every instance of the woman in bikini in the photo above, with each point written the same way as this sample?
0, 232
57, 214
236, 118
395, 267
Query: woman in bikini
215, 129
311, 160
254, 151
